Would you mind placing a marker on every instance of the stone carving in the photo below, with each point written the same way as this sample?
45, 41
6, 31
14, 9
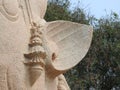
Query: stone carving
6, 8
62, 84
35, 53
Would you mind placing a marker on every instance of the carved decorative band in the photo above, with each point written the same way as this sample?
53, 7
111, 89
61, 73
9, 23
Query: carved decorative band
35, 58
35, 44
34, 54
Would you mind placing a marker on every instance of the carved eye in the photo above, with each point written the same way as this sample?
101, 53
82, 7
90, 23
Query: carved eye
9, 8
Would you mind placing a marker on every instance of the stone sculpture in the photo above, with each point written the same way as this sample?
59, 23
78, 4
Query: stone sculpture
34, 53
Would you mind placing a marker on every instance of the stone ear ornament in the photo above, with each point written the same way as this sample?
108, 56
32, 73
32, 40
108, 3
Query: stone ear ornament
35, 59
73, 41
10, 9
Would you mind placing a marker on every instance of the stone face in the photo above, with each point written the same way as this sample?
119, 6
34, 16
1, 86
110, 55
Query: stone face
34, 53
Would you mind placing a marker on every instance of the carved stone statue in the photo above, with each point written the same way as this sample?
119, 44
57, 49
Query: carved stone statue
34, 53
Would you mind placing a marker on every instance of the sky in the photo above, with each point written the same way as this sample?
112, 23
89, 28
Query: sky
98, 8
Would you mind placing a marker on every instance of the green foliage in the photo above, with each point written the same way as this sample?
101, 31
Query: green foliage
101, 66
57, 10
106, 53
